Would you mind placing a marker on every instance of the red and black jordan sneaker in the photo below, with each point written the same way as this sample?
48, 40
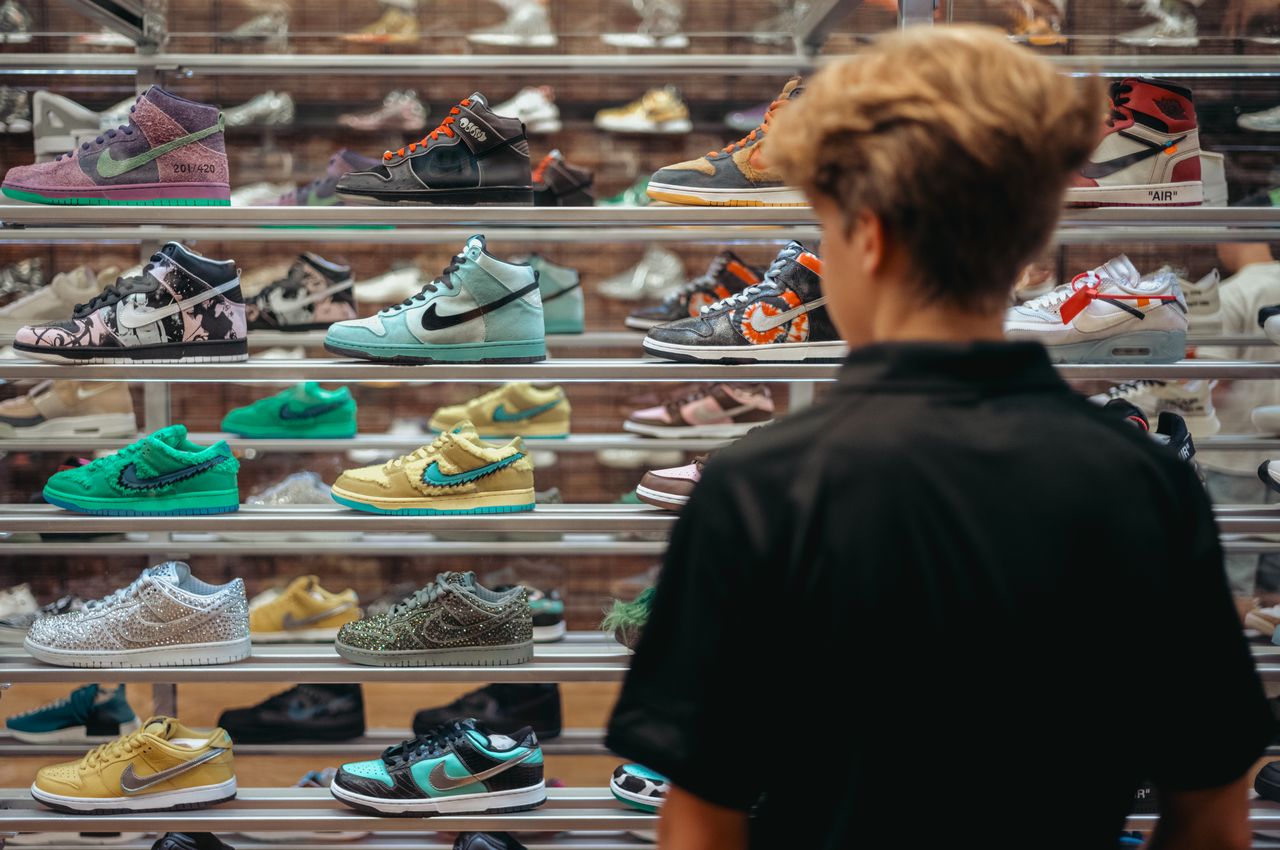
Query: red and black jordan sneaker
1150, 155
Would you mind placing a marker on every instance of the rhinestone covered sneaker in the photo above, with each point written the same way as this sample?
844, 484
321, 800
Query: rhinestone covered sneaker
165, 618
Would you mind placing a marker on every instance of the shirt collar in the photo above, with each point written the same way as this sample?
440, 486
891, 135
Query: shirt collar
984, 367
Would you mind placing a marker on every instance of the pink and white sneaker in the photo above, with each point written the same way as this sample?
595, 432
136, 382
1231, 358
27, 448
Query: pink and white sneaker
670, 489
718, 410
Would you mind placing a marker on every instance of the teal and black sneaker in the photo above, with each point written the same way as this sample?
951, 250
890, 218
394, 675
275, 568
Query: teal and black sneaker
563, 310
639, 787
163, 474
479, 310
89, 715
304, 411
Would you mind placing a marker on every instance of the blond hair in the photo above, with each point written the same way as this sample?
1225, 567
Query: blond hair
958, 141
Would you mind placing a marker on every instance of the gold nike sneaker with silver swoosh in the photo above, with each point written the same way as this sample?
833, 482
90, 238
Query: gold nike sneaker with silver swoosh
164, 766
303, 611
461, 767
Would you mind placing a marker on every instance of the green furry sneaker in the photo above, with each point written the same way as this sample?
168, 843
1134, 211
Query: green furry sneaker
163, 474
305, 411
626, 620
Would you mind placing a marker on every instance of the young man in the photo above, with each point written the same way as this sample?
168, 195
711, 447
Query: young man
953, 602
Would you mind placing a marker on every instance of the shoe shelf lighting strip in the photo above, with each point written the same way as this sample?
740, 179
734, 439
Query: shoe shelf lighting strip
388, 443
314, 809
570, 370
603, 660
571, 742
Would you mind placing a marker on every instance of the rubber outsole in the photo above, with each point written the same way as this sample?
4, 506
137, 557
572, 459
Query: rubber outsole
204, 655
223, 351
180, 807
502, 196
781, 353
661, 500
627, 798
394, 808
358, 354
473, 656
67, 505
486, 509
34, 198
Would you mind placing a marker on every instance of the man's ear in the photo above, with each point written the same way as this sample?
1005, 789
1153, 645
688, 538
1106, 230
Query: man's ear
867, 238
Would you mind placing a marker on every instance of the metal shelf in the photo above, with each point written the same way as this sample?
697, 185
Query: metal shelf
598, 660
553, 370
388, 443
183, 546
1190, 369
409, 840
544, 519
1170, 65
314, 809
571, 742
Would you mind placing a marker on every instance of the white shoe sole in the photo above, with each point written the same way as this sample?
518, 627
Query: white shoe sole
50, 357
73, 734
659, 499
648, 42
684, 125
99, 425
295, 536
774, 196
187, 798
273, 837
1187, 194
638, 799
546, 126
714, 432
296, 636
75, 839
198, 654
549, 634
778, 352
518, 799
1159, 41
503, 40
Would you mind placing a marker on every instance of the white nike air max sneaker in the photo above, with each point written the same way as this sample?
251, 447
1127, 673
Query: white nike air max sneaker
1110, 314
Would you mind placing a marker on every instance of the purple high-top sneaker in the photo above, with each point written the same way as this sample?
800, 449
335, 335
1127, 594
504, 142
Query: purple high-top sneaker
170, 153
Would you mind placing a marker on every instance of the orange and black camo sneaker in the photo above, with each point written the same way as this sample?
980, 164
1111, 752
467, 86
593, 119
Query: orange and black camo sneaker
733, 177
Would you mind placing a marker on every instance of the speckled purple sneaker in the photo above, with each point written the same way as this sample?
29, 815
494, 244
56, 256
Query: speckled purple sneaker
170, 153
322, 192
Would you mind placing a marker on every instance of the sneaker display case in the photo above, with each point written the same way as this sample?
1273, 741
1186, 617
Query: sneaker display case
589, 99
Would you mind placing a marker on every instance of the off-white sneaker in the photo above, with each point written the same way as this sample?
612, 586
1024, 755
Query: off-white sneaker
1204, 306
1192, 400
534, 106
1110, 314
55, 301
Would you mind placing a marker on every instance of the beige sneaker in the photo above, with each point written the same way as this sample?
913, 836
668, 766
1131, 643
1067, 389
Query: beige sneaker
1263, 620
512, 410
657, 111
70, 409
303, 611
396, 26
55, 301
456, 474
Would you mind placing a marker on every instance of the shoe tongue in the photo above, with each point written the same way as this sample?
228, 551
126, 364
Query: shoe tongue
161, 727
476, 245
465, 428
793, 88
342, 162
173, 572
172, 435
1121, 270
479, 99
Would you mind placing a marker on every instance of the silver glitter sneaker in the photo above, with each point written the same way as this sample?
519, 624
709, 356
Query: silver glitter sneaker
166, 618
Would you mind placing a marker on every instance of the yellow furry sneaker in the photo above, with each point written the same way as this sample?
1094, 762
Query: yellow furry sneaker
164, 766
303, 611
455, 474
512, 410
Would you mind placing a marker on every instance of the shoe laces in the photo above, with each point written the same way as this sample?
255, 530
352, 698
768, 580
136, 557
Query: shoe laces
445, 280
444, 128
1119, 103
126, 746
117, 595
421, 597
757, 133
127, 129
60, 702
431, 742
767, 286
115, 292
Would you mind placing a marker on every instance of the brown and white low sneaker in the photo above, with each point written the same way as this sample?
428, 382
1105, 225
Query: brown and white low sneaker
670, 489
718, 410
70, 409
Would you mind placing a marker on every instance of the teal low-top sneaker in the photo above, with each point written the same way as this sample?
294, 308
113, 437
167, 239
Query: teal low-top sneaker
303, 411
479, 310
90, 715
163, 474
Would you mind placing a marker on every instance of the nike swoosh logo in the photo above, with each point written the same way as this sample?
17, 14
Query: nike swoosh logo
108, 167
130, 481
289, 622
432, 474
433, 322
500, 413
1098, 170
132, 318
768, 323
82, 394
279, 304
442, 781
310, 412
131, 783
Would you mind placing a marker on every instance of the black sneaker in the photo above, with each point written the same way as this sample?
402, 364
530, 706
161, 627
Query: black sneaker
557, 183
725, 276
190, 841
1145, 801
487, 841
781, 319
302, 713
473, 157
313, 295
503, 708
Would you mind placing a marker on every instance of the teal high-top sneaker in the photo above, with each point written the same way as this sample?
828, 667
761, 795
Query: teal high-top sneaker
562, 307
479, 310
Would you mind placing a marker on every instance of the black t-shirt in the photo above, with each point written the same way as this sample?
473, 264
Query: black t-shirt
952, 601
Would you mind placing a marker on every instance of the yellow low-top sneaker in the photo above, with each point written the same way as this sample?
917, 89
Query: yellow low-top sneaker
456, 474
303, 611
164, 766
512, 410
